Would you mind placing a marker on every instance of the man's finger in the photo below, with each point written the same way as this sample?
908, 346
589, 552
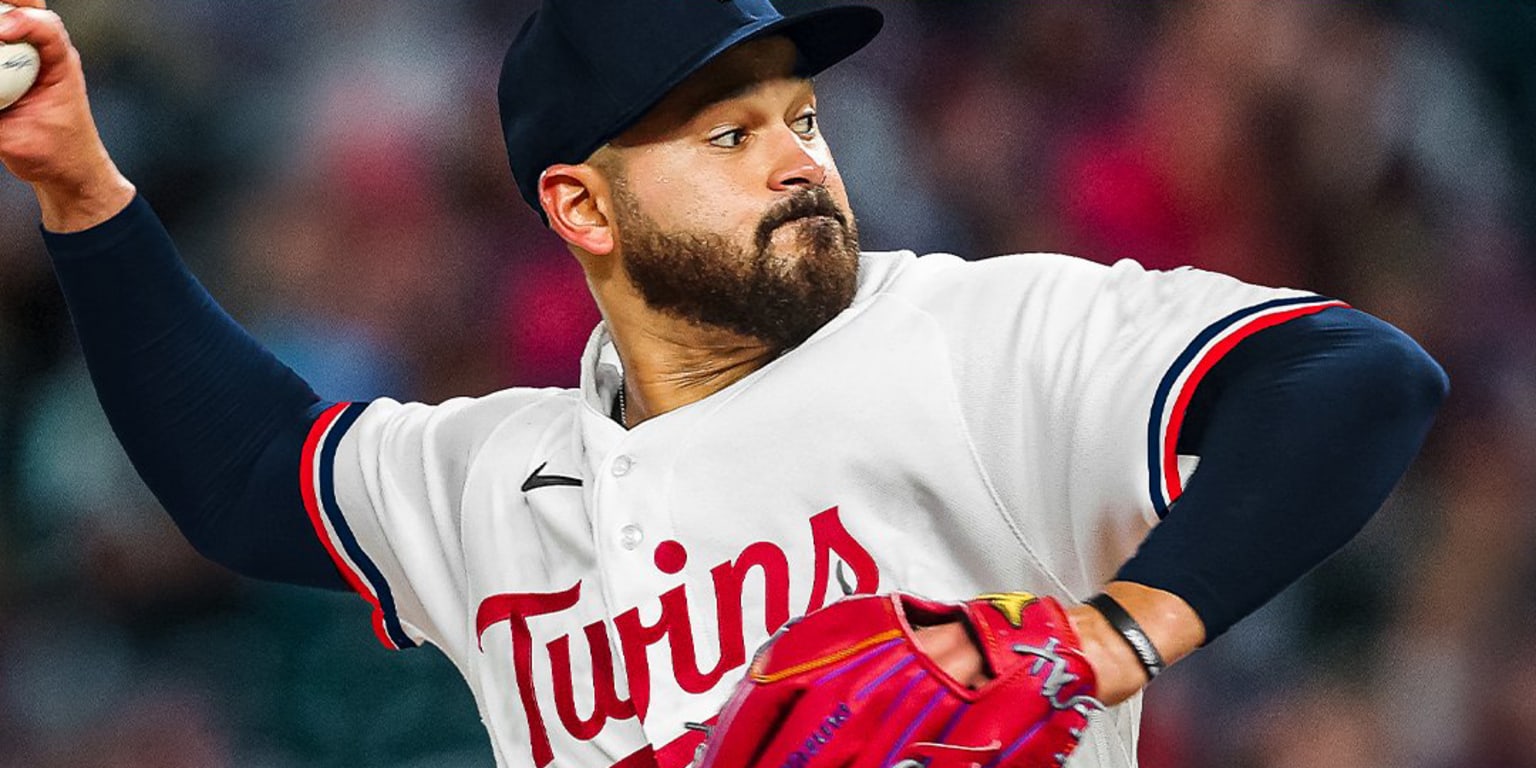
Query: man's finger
28, 3
45, 31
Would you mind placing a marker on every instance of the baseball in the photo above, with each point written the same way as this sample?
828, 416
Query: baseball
18, 68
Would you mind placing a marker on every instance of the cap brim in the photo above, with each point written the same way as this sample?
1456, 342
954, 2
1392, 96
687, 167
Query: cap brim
827, 36
823, 37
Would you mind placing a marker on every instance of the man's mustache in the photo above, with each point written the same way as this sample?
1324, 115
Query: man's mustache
803, 204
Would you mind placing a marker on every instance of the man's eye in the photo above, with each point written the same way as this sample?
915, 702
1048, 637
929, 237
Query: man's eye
729, 139
805, 125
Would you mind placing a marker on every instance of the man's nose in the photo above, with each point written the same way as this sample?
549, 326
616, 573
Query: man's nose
797, 164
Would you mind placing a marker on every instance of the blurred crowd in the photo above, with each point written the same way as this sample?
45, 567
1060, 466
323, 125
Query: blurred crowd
334, 172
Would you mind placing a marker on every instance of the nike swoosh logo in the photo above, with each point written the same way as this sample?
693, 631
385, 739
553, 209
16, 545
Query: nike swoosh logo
537, 480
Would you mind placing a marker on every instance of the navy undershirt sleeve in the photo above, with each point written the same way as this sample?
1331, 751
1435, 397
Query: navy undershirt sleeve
213, 423
1302, 431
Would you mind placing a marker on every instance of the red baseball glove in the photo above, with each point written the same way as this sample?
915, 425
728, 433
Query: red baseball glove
849, 687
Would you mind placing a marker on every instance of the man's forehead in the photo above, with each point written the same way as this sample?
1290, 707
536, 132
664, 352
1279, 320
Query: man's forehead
737, 72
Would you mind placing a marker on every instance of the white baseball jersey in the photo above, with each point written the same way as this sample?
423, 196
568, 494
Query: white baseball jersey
962, 428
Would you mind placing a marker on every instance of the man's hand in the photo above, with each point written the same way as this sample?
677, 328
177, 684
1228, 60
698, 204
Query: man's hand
48, 138
1173, 626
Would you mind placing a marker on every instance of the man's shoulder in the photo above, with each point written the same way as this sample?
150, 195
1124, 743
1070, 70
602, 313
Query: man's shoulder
522, 410
913, 275
515, 400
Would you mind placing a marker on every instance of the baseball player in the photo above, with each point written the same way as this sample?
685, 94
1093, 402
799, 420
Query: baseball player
768, 419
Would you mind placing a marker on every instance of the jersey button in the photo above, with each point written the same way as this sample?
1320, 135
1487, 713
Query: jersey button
622, 465
630, 536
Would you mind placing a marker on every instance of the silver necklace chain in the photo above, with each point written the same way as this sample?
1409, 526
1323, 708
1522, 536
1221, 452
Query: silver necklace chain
623, 416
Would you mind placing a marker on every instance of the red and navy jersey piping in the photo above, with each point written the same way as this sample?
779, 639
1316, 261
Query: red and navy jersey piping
1178, 385
319, 488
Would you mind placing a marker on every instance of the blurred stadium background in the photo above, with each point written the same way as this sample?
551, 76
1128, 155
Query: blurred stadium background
333, 170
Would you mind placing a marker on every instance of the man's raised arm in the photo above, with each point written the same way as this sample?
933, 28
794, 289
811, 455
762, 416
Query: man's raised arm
214, 424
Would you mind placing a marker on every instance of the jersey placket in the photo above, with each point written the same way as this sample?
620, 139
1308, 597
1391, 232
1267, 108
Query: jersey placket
637, 550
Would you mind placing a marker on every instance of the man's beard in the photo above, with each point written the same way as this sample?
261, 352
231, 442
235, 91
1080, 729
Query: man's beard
778, 298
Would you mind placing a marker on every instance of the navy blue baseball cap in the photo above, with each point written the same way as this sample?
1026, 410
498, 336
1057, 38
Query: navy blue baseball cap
582, 71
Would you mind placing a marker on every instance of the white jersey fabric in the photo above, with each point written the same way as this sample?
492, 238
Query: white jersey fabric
964, 427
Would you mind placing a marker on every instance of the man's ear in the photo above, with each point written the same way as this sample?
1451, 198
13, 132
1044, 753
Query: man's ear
576, 199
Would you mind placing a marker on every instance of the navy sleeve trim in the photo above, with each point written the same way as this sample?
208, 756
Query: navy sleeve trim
1302, 432
1170, 404
319, 487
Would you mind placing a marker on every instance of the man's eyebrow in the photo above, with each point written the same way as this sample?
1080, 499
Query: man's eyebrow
738, 90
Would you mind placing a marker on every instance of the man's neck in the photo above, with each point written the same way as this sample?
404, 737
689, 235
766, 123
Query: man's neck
670, 363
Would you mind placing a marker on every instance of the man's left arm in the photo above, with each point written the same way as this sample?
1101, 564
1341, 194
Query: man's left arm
1302, 431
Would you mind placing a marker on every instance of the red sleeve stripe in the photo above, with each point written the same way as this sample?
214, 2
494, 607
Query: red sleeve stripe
1179, 384
311, 482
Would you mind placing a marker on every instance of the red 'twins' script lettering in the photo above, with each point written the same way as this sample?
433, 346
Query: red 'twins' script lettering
675, 625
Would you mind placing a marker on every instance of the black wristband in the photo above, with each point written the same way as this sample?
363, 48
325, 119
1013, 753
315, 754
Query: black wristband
1134, 635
